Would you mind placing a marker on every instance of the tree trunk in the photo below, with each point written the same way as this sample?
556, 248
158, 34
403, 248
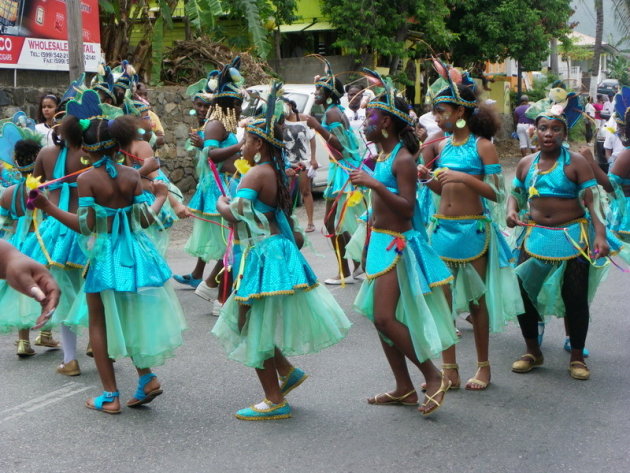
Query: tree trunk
597, 51
553, 56
401, 35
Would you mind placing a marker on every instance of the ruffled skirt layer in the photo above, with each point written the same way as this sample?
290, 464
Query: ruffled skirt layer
422, 306
145, 326
500, 288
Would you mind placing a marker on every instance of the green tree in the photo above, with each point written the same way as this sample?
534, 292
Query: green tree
381, 27
494, 30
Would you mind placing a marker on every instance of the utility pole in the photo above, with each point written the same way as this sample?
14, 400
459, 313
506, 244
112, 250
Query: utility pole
74, 24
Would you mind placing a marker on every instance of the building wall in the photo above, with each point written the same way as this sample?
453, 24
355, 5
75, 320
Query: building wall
302, 70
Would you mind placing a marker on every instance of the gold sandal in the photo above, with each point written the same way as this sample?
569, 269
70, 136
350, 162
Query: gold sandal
392, 400
446, 366
445, 385
45, 339
474, 381
24, 348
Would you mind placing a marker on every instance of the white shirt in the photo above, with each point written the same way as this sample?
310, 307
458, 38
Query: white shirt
356, 119
46, 132
428, 121
613, 142
590, 110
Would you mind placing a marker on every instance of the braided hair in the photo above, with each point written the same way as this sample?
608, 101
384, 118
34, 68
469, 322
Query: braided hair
283, 195
404, 130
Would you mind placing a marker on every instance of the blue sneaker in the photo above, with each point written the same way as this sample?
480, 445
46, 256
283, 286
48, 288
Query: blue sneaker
187, 280
567, 347
295, 377
266, 410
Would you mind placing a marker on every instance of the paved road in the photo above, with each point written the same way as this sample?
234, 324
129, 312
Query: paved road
543, 422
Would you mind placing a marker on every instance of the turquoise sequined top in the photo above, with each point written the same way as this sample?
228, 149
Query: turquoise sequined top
465, 158
383, 171
553, 182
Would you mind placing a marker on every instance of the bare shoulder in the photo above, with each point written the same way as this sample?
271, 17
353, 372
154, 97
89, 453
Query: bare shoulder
214, 130
5, 199
143, 149
487, 151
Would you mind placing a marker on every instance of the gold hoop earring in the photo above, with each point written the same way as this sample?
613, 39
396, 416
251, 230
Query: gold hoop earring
385, 134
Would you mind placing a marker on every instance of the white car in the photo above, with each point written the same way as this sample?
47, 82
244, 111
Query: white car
304, 97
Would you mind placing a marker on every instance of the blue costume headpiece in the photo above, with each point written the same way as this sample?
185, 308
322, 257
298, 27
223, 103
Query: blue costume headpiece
228, 82
622, 104
445, 88
264, 127
558, 105
327, 81
386, 99
10, 134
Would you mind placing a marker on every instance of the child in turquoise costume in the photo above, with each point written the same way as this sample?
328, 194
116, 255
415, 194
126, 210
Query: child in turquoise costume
411, 312
208, 240
53, 243
465, 230
566, 242
19, 311
132, 309
343, 148
617, 181
139, 155
277, 308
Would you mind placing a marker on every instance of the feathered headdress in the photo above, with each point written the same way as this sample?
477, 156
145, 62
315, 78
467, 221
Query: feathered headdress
264, 127
385, 97
327, 81
22, 120
125, 76
104, 81
76, 88
200, 89
228, 82
622, 104
10, 134
447, 83
558, 105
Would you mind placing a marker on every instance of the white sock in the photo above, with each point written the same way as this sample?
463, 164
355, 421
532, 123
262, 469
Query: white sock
69, 344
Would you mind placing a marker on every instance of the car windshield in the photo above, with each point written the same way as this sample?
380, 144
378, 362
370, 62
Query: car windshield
253, 105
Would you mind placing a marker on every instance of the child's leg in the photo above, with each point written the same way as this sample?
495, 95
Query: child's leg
98, 340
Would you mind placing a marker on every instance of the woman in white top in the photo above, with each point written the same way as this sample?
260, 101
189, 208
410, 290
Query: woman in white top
45, 115
299, 142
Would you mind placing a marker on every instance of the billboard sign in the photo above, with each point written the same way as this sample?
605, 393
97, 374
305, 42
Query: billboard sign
34, 33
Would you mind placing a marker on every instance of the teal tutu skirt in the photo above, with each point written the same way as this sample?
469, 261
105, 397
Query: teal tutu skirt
207, 240
18, 310
303, 322
273, 266
145, 326
354, 248
70, 282
460, 241
422, 306
337, 180
542, 275
204, 200
56, 245
619, 218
